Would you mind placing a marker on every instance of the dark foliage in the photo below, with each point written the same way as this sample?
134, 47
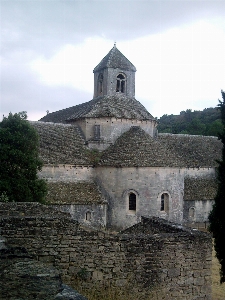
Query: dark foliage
19, 161
206, 122
217, 215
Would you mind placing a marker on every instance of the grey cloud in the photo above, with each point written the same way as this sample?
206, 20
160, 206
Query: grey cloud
21, 91
45, 25
38, 28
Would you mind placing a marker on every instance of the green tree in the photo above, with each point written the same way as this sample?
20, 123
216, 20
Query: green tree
19, 161
217, 215
215, 128
196, 127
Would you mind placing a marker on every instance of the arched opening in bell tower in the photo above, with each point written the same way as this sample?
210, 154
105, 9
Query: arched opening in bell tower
121, 83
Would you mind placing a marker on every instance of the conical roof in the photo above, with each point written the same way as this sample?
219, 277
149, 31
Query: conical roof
115, 59
136, 148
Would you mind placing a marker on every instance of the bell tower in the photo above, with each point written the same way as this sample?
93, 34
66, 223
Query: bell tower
114, 76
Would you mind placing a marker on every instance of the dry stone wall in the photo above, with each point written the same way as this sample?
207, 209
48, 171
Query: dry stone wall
173, 263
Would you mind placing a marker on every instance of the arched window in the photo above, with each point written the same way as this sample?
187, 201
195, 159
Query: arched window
191, 213
164, 202
121, 83
88, 216
100, 84
132, 202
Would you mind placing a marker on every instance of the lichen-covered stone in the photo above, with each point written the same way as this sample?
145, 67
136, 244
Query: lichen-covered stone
25, 278
105, 106
73, 193
69, 294
199, 188
193, 150
61, 144
155, 256
136, 148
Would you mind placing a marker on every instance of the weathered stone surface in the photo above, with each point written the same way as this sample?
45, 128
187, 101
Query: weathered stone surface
2, 243
69, 294
73, 193
115, 59
106, 106
155, 256
193, 150
25, 278
199, 188
22, 277
136, 148
61, 143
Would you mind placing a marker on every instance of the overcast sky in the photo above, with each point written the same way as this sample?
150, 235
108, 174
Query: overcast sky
49, 49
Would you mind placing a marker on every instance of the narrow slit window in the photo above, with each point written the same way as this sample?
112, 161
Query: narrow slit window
100, 84
88, 216
132, 201
162, 202
97, 132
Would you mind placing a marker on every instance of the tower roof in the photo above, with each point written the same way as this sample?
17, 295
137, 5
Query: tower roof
106, 106
115, 59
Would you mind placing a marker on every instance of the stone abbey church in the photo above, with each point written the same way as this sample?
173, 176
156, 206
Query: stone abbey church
107, 165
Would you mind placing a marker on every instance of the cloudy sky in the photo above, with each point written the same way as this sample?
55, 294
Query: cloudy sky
49, 48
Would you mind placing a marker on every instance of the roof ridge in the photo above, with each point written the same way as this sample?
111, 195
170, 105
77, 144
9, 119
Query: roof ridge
110, 56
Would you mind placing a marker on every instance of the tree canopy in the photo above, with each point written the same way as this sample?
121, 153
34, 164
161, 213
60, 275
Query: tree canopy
217, 215
206, 122
19, 161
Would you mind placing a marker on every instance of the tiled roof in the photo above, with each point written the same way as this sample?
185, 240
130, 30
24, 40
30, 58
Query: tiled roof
193, 150
115, 59
106, 106
136, 148
61, 144
199, 188
73, 193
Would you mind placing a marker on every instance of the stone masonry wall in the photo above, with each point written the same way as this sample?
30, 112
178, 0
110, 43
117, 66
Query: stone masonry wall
172, 264
148, 184
71, 173
111, 128
76, 212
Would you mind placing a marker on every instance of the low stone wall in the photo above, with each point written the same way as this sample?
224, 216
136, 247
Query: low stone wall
22, 209
22, 277
97, 212
174, 263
